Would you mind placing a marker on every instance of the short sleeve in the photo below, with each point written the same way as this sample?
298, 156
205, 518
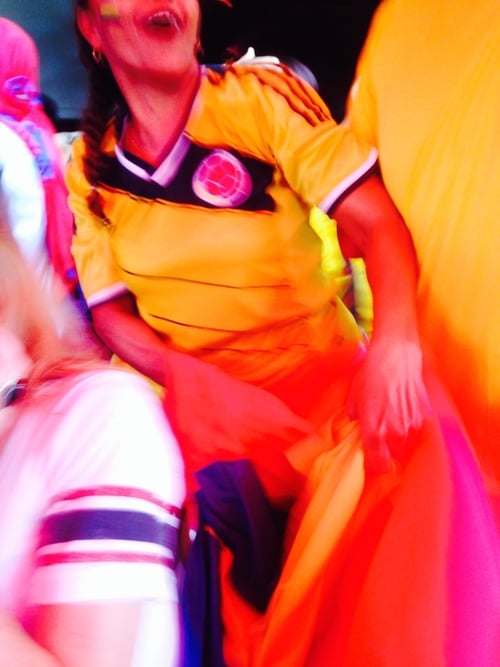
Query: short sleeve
115, 486
322, 162
98, 273
22, 194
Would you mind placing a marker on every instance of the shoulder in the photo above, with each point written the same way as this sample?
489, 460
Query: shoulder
108, 405
107, 391
392, 18
122, 382
74, 169
12, 145
108, 427
76, 154
6, 132
257, 85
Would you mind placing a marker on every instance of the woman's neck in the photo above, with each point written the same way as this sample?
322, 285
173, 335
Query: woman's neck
157, 116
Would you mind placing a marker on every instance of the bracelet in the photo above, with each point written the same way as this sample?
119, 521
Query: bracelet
11, 391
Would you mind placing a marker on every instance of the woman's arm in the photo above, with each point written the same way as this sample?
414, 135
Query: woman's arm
388, 396
119, 326
103, 590
370, 226
72, 635
18, 648
23, 194
108, 634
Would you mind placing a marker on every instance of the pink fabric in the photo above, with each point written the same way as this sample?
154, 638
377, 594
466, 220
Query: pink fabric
22, 111
473, 547
19, 58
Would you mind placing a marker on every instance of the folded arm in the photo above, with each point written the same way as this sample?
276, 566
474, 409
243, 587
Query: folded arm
120, 327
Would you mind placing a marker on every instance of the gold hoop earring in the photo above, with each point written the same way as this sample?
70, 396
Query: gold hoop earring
198, 48
97, 56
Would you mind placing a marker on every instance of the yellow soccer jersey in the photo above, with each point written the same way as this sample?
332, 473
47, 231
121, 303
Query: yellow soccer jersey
215, 243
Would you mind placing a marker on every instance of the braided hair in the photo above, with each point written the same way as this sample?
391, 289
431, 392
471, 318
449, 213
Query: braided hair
104, 102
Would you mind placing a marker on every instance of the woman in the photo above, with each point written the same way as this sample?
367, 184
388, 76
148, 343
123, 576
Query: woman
192, 189
33, 194
91, 483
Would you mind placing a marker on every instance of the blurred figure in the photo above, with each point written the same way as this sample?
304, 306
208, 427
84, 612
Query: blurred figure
33, 195
91, 484
192, 189
427, 96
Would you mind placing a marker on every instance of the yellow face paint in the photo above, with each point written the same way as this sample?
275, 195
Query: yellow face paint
109, 11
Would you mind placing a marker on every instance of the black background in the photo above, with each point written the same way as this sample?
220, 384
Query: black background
326, 35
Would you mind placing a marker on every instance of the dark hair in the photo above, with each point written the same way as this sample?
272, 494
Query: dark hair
104, 101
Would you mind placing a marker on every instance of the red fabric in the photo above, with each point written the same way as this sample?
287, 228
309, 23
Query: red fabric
414, 578
219, 418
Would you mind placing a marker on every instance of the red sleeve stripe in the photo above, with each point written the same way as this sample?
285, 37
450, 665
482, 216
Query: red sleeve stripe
123, 491
44, 560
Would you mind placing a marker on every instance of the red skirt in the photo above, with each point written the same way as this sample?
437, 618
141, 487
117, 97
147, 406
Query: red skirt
402, 570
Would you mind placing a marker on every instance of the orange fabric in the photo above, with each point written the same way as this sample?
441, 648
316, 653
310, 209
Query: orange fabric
374, 583
355, 588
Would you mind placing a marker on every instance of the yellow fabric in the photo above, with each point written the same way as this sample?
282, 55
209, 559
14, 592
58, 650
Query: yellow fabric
427, 96
350, 277
363, 297
332, 259
226, 278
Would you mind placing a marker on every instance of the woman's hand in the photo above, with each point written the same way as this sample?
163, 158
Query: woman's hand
389, 399
388, 396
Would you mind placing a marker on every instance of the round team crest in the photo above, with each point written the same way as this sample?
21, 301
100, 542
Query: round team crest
222, 180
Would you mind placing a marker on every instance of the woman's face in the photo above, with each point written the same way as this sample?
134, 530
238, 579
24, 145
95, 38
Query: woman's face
143, 40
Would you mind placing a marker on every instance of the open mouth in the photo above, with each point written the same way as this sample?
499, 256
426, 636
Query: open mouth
163, 20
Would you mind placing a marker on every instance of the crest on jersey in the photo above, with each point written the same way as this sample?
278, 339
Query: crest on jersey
222, 180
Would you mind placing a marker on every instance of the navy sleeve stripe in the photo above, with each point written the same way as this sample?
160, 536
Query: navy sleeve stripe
101, 524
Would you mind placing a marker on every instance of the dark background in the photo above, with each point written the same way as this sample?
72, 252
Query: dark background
326, 35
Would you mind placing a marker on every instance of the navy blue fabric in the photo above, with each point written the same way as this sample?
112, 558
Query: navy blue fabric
232, 502
96, 524
180, 190
233, 505
201, 604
